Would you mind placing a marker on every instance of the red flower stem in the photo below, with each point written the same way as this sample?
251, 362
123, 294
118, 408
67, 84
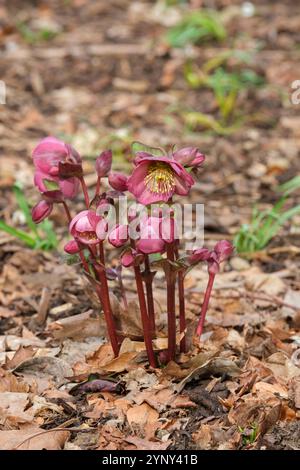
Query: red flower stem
205, 304
85, 192
67, 211
98, 185
149, 293
123, 293
144, 316
84, 261
182, 320
171, 307
103, 294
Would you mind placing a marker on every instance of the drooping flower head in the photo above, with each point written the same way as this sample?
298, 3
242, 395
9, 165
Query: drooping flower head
72, 247
190, 157
47, 156
118, 181
221, 252
86, 226
131, 257
118, 235
156, 179
103, 163
150, 239
41, 211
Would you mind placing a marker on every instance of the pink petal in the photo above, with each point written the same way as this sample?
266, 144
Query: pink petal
102, 229
150, 246
69, 187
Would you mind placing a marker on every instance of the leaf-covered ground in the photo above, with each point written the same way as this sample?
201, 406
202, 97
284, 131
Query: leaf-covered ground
105, 76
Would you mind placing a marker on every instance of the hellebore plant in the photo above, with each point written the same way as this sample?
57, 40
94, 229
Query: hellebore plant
148, 236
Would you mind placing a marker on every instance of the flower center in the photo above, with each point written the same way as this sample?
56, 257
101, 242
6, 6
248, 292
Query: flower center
160, 178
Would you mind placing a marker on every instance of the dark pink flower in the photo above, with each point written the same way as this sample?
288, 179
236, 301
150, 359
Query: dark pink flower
150, 240
83, 227
201, 254
118, 181
221, 252
156, 179
72, 247
103, 163
131, 257
41, 211
119, 235
189, 157
47, 156
127, 259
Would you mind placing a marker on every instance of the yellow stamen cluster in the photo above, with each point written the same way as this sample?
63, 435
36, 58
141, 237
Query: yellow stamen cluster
88, 235
160, 178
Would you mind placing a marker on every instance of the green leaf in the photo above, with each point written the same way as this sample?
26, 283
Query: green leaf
290, 186
51, 185
139, 147
196, 26
30, 241
22, 202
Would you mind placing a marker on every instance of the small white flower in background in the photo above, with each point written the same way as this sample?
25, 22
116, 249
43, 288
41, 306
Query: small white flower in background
248, 9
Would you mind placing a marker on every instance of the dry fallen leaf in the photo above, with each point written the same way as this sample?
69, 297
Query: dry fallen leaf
21, 355
77, 326
203, 437
143, 419
257, 281
12, 406
144, 444
51, 368
264, 390
33, 438
11, 383
120, 363
215, 366
282, 367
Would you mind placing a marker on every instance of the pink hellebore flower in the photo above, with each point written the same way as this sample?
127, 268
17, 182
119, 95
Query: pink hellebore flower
72, 247
221, 252
156, 179
84, 227
119, 235
103, 163
118, 181
41, 211
150, 240
131, 257
189, 157
47, 156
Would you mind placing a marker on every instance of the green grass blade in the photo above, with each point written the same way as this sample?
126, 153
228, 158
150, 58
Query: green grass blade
22, 202
30, 241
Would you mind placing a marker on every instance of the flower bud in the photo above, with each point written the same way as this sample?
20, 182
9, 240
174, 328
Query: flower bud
103, 163
118, 181
119, 235
72, 247
41, 211
189, 156
223, 250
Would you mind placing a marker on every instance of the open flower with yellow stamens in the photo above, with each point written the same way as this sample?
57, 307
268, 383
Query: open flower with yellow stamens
156, 179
